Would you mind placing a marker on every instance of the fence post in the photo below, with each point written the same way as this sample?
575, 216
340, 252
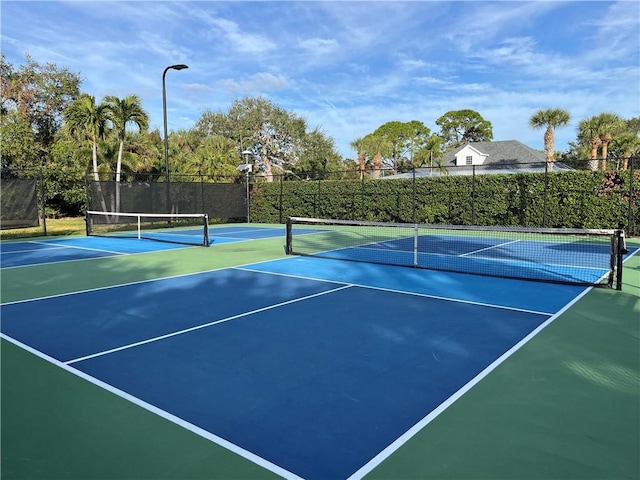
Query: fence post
631, 226
473, 195
413, 186
280, 200
201, 191
362, 214
546, 188
43, 199
316, 206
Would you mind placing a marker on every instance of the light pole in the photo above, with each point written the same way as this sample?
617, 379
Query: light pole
166, 138
246, 168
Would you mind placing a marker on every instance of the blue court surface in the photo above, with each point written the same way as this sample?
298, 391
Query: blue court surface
313, 366
56, 249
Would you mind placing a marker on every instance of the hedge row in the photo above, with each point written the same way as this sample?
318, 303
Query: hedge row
575, 199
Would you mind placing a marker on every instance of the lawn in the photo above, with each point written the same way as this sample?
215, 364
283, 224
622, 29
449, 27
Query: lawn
55, 226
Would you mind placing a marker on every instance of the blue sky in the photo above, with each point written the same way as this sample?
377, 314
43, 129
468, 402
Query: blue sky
346, 67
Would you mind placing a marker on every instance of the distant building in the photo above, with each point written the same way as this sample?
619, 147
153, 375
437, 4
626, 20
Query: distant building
508, 156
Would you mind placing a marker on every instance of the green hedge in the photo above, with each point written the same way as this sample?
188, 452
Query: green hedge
578, 199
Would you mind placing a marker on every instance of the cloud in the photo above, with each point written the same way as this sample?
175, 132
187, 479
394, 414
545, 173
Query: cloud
254, 84
319, 46
238, 40
480, 23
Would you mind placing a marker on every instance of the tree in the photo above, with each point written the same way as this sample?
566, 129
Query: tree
431, 154
32, 98
610, 124
589, 134
318, 154
35, 95
145, 151
550, 120
123, 112
359, 146
404, 138
377, 147
272, 133
86, 119
625, 146
215, 157
458, 127
598, 131
19, 146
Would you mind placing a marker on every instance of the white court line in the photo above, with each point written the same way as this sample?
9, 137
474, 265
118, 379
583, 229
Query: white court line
54, 247
79, 248
415, 294
205, 325
70, 261
252, 229
405, 437
489, 248
161, 413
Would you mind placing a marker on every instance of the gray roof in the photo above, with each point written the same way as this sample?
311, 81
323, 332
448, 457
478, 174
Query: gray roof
506, 152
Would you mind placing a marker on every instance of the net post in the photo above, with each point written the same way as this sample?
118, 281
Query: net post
612, 259
139, 227
87, 224
289, 237
206, 230
619, 256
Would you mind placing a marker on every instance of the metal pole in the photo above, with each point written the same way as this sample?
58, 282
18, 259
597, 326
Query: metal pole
166, 138
247, 180
247, 170
631, 228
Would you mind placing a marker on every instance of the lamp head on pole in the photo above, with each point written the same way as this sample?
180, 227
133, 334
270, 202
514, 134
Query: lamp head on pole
179, 66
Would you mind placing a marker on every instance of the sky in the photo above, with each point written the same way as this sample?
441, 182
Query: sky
347, 67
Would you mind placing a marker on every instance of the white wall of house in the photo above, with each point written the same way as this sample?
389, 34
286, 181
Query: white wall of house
470, 156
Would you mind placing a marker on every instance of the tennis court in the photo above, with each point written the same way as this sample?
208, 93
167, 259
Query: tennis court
291, 366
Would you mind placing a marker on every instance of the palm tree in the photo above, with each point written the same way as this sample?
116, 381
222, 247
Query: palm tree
86, 119
431, 154
378, 148
589, 133
142, 151
123, 112
359, 146
627, 145
610, 125
550, 119
215, 158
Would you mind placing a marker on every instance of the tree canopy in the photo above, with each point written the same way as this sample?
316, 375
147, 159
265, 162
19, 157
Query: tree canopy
404, 138
549, 120
32, 100
458, 127
275, 137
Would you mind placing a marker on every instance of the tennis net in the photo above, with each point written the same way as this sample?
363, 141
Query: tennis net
573, 256
185, 228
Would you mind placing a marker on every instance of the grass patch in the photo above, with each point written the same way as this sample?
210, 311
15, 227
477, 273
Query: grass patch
55, 227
